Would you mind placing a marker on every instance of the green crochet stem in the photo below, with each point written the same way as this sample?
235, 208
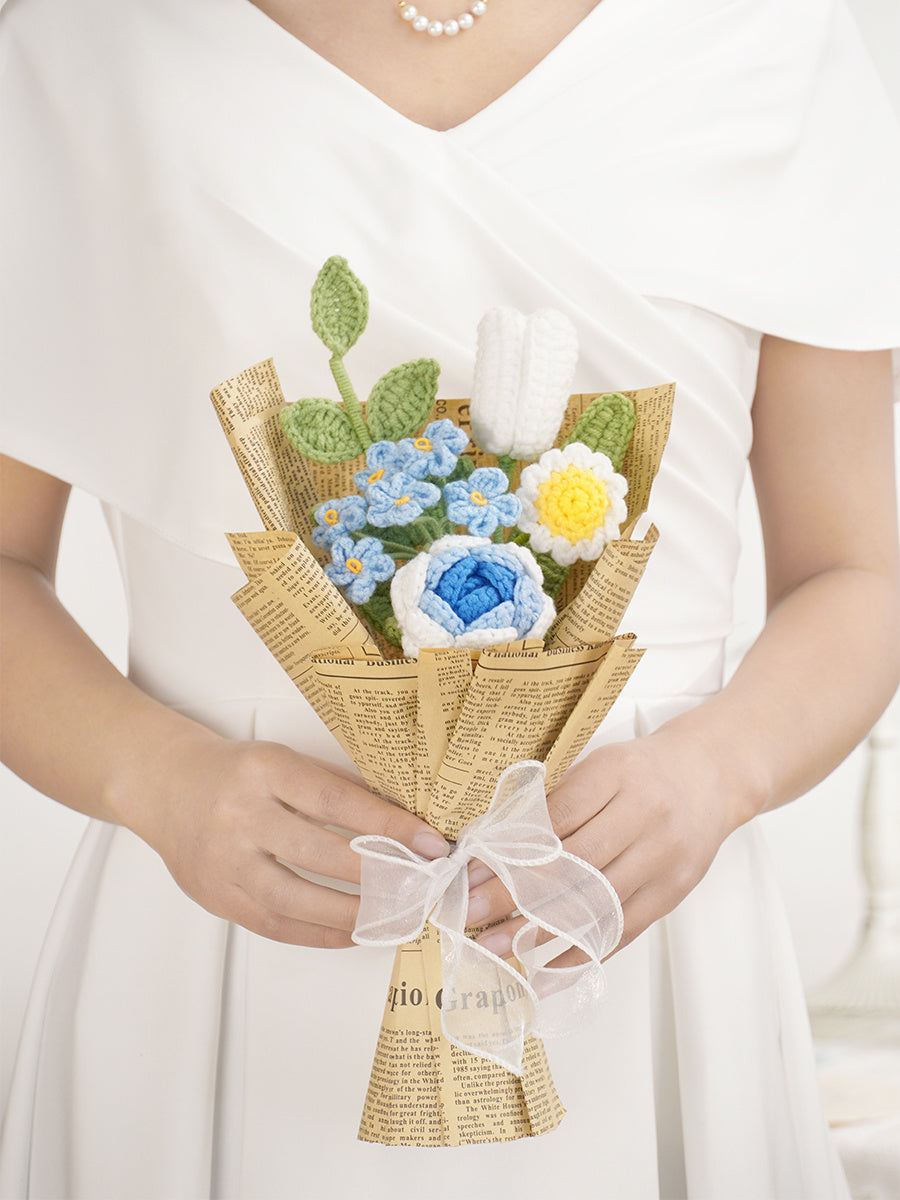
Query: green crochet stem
352, 406
507, 465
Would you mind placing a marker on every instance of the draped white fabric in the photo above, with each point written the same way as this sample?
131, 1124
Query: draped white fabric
676, 177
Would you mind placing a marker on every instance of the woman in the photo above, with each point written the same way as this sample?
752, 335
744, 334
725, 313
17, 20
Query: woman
651, 169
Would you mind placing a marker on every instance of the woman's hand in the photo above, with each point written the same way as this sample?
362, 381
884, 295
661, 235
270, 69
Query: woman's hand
649, 813
221, 814
652, 813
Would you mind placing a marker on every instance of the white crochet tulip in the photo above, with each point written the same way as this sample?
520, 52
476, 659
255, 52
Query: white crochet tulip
524, 368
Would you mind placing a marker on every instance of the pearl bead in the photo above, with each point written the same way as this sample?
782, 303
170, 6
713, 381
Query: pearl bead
449, 28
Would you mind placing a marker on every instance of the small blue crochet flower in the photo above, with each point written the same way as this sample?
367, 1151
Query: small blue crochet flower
335, 518
399, 499
357, 567
482, 502
382, 460
435, 452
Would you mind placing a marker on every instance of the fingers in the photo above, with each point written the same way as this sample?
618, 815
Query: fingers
246, 911
282, 891
298, 841
333, 800
586, 790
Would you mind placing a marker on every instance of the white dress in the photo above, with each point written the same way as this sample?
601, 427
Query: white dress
190, 166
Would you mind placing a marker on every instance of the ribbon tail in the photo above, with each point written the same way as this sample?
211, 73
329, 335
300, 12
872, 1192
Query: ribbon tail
487, 1007
576, 904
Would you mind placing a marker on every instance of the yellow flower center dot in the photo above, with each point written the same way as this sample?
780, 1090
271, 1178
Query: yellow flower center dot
572, 503
402, 500
332, 516
354, 565
422, 444
376, 475
477, 498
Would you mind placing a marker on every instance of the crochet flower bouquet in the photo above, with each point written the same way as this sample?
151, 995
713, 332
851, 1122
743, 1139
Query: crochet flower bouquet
444, 580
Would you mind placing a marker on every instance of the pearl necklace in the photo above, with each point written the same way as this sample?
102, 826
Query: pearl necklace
422, 24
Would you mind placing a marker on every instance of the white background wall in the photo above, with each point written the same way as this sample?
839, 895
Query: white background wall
814, 841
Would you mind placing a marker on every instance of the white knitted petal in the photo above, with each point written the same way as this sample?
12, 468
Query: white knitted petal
478, 639
495, 384
562, 550
545, 620
549, 357
419, 631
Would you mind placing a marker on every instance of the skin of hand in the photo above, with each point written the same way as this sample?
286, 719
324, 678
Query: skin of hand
651, 813
220, 813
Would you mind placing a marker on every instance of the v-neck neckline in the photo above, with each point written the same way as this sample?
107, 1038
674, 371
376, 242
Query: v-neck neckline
351, 83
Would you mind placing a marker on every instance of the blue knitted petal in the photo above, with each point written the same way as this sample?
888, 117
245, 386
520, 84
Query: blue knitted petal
502, 617
508, 509
529, 601
454, 582
457, 492
474, 604
490, 481
481, 519
441, 613
438, 565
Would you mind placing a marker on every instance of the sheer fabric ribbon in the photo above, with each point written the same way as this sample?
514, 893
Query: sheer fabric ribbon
487, 1006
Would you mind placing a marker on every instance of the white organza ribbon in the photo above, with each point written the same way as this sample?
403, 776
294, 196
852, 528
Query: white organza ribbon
488, 1007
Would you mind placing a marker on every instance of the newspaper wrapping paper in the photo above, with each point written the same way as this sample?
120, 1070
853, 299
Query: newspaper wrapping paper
454, 722
554, 890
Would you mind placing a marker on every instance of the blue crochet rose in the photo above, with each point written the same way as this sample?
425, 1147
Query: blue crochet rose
356, 567
466, 591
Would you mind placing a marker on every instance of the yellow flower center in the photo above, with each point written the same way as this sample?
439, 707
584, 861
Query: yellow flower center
572, 503
354, 565
376, 475
477, 498
332, 516
402, 500
422, 444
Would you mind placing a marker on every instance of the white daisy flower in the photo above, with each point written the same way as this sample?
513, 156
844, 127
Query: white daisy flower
572, 503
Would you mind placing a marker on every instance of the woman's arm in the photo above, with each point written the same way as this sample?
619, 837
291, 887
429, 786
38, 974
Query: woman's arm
653, 812
217, 811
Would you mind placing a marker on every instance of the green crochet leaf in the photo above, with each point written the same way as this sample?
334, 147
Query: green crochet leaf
377, 611
321, 430
606, 427
339, 306
463, 469
554, 575
402, 400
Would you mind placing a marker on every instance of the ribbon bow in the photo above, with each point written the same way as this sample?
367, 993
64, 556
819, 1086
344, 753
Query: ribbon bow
487, 1006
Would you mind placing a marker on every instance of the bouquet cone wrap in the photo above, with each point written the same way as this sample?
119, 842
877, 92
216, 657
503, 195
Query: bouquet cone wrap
435, 734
